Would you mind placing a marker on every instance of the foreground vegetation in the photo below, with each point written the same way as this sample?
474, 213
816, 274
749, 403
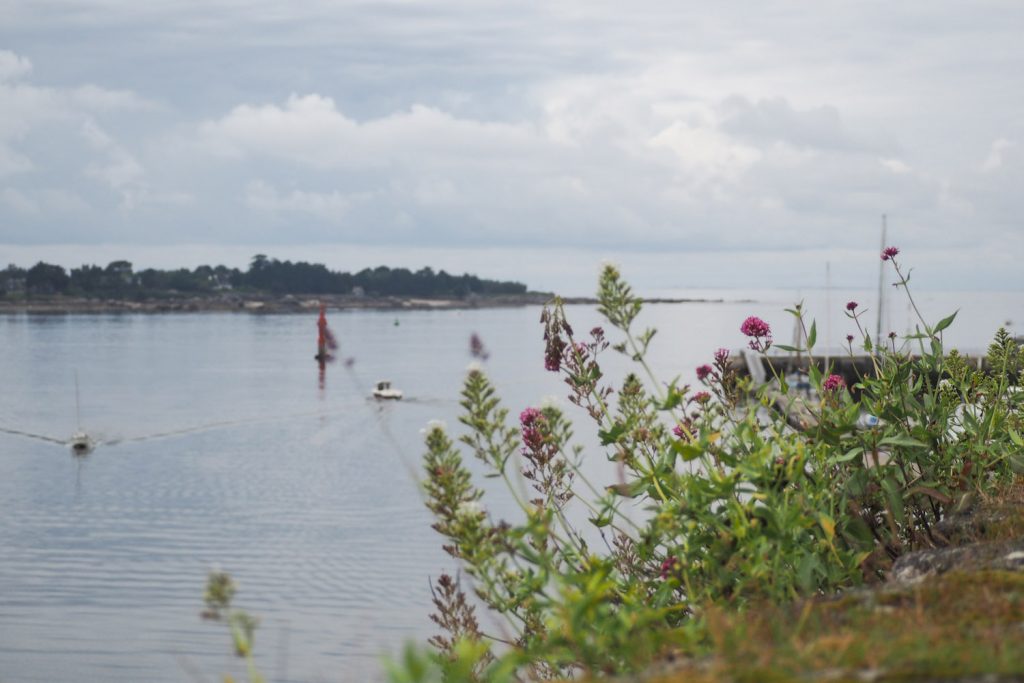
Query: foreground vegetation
745, 519
762, 553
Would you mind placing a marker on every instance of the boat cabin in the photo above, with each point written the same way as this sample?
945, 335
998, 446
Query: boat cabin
384, 391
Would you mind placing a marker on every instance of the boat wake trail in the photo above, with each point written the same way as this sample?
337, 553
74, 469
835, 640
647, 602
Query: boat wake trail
209, 426
30, 435
430, 401
222, 424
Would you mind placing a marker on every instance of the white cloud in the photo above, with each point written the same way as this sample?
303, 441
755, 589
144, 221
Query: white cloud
637, 166
329, 206
705, 152
93, 98
897, 166
996, 152
18, 201
311, 130
12, 162
672, 125
50, 114
13, 66
119, 169
436, 192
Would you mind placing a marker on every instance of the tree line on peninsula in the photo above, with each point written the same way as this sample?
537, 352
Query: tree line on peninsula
264, 275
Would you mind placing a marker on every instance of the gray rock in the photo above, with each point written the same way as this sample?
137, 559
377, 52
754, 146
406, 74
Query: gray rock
1000, 555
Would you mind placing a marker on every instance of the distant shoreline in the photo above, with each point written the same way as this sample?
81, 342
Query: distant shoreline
288, 303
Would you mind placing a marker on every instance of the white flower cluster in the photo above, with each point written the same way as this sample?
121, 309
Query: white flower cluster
469, 508
434, 424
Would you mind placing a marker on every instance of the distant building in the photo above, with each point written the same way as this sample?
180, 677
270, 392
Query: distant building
12, 280
221, 282
121, 272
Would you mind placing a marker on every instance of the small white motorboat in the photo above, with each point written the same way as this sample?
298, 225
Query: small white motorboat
81, 443
384, 392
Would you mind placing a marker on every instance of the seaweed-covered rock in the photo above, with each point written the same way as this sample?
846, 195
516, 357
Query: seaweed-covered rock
975, 538
1000, 555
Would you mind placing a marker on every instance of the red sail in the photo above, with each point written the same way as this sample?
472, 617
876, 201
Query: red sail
325, 339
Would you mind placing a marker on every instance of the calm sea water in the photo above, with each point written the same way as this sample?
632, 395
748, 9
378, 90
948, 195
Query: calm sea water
221, 447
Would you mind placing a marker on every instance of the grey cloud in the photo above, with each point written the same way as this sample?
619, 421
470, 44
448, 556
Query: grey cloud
13, 66
776, 120
673, 126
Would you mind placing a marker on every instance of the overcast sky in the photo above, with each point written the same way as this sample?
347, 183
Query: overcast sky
714, 144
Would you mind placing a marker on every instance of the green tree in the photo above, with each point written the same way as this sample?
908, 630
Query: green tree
46, 278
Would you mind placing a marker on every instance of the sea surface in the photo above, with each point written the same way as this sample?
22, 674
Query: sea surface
221, 446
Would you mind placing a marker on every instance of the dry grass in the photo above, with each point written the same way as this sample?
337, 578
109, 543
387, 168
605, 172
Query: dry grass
950, 626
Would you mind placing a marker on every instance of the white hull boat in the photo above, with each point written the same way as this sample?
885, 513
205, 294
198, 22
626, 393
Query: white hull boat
384, 392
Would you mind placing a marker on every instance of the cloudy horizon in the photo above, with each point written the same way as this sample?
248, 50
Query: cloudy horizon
699, 146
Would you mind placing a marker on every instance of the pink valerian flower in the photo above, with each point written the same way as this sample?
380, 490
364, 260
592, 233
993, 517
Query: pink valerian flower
554, 345
755, 327
759, 331
702, 397
684, 430
703, 372
721, 357
851, 306
889, 252
530, 419
553, 354
849, 339
529, 416
833, 383
667, 567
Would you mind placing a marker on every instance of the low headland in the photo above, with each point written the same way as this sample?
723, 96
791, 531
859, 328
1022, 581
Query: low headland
267, 286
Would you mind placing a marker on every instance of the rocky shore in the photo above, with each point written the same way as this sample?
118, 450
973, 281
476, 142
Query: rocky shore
953, 613
288, 303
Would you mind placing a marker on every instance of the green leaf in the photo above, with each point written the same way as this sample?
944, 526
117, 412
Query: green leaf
791, 349
828, 524
1016, 438
815, 376
625, 490
848, 456
812, 336
902, 440
805, 572
931, 493
610, 436
945, 322
1016, 463
892, 491
673, 399
686, 451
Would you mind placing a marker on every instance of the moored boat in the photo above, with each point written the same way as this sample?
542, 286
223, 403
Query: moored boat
383, 391
81, 443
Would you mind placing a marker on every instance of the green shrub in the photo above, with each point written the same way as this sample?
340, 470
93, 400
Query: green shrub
740, 507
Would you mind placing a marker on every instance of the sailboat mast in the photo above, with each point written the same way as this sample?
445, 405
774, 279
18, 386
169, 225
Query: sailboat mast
78, 413
881, 282
828, 310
